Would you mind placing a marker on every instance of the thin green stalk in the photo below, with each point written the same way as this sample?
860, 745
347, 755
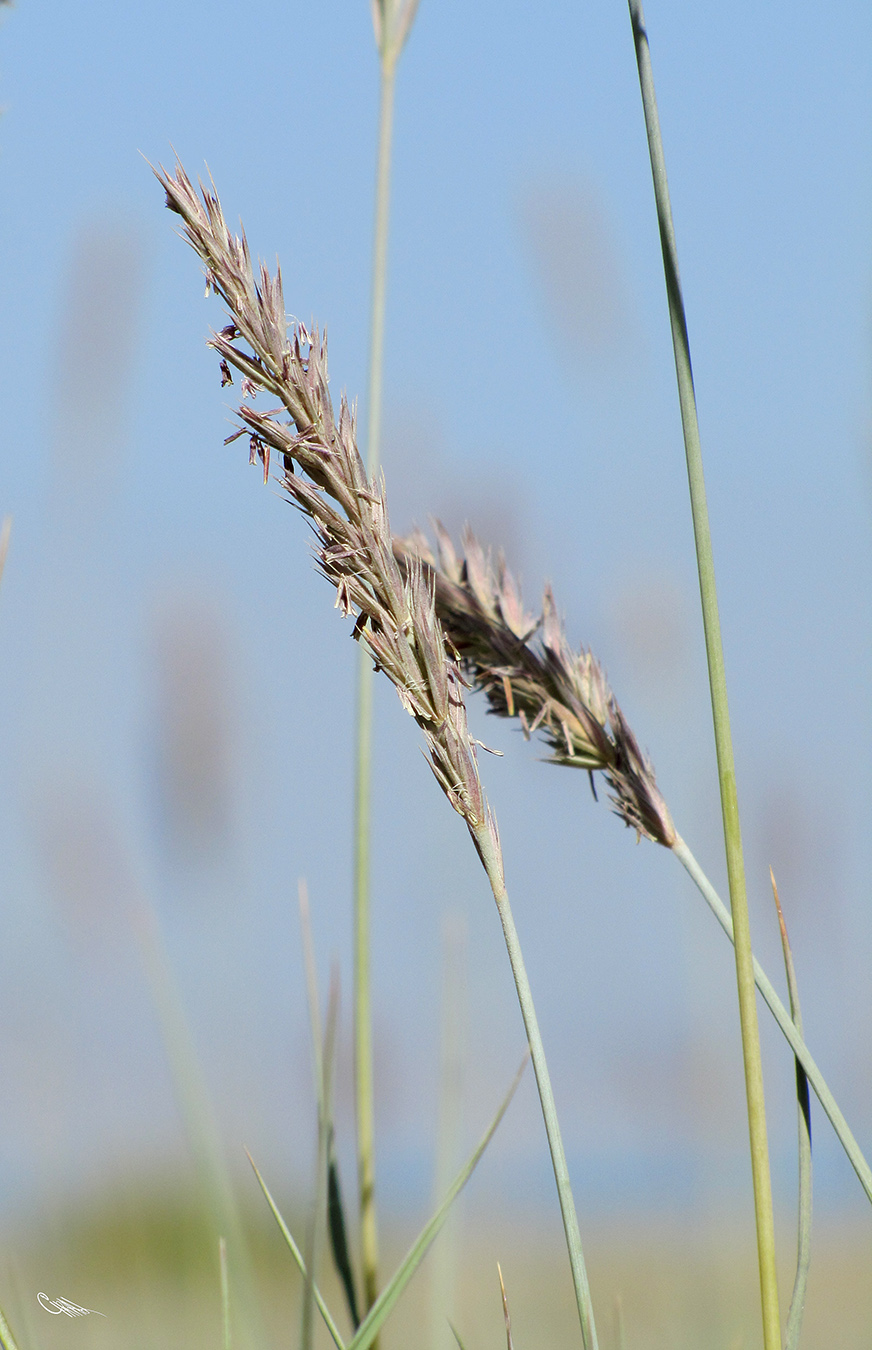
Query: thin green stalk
492, 864
784, 1020
803, 1241
380, 265
298, 1257
363, 1051
720, 712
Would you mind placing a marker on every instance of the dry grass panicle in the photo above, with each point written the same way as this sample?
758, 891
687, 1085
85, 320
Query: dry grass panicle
394, 605
527, 669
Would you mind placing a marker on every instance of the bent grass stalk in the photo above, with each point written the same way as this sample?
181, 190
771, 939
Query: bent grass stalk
527, 670
392, 22
394, 607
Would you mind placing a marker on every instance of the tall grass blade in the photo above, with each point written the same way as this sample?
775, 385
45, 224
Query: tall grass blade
384, 1305
391, 30
803, 1241
720, 712
456, 1334
298, 1258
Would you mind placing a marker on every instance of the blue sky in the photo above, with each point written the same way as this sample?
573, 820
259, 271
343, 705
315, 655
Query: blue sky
529, 388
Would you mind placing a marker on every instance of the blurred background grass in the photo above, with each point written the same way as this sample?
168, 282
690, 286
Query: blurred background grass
143, 1258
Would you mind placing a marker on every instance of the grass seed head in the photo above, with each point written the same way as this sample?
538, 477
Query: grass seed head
527, 669
394, 605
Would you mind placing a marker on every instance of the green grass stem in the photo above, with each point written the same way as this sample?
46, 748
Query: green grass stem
364, 1094
363, 1049
803, 1242
298, 1258
490, 858
720, 712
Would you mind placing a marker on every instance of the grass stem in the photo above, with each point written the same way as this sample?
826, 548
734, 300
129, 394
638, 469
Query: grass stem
492, 864
363, 1051
720, 713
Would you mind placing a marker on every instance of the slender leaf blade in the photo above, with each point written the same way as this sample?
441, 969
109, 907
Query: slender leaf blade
298, 1257
385, 1303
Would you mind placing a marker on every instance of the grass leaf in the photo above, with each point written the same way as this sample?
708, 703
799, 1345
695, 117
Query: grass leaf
298, 1257
339, 1239
803, 1244
384, 1304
